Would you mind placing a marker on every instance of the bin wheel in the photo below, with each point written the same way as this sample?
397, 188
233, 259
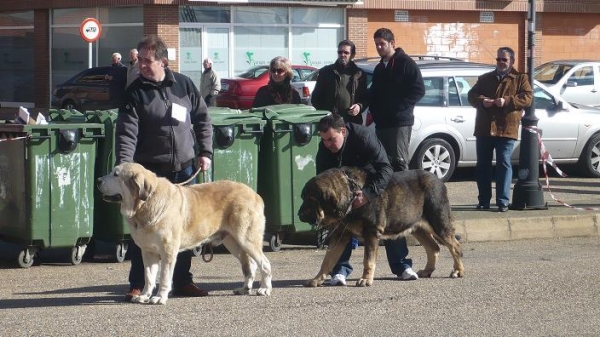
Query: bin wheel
275, 242
197, 251
77, 254
121, 251
26, 258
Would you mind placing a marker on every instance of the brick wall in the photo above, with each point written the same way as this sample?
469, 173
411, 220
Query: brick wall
164, 22
569, 36
453, 34
357, 28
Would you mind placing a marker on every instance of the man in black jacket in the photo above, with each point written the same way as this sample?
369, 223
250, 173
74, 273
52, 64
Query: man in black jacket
161, 120
348, 144
397, 86
342, 87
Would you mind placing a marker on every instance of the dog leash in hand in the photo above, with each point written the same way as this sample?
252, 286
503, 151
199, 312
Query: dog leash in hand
205, 176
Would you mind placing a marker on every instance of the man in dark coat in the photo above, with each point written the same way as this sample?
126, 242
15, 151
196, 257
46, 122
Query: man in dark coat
342, 87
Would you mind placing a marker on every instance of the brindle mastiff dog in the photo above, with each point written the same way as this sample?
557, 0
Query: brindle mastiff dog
165, 219
410, 197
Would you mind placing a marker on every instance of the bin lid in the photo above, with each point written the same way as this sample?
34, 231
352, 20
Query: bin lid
101, 116
217, 110
63, 115
291, 113
243, 118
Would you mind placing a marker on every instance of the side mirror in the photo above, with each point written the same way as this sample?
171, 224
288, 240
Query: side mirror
571, 84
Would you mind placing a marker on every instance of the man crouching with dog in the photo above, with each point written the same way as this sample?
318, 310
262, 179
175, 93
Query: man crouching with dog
349, 144
163, 117
356, 193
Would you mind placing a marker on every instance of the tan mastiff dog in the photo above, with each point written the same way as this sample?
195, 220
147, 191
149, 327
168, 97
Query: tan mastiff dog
165, 219
414, 201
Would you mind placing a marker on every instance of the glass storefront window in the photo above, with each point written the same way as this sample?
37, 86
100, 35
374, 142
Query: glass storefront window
16, 58
315, 46
72, 16
122, 29
204, 14
258, 45
317, 16
120, 15
261, 15
306, 36
20, 19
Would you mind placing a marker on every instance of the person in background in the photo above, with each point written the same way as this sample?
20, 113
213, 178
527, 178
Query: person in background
163, 118
499, 97
117, 80
278, 90
396, 87
210, 84
133, 71
342, 86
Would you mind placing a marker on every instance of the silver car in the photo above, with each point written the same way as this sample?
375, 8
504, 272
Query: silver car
442, 137
574, 80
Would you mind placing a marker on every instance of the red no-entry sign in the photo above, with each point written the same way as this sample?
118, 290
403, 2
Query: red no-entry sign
90, 30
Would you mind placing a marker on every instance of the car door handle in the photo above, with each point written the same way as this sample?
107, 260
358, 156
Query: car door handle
594, 91
458, 119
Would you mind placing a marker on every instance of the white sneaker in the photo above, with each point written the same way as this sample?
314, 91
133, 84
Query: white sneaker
409, 275
338, 279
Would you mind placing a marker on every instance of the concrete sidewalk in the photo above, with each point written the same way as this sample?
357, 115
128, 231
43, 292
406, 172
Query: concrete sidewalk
558, 220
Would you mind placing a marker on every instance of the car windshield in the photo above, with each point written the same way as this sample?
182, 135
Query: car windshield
551, 73
253, 73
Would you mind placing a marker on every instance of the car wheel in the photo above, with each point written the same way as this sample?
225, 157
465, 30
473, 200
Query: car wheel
436, 156
69, 105
589, 161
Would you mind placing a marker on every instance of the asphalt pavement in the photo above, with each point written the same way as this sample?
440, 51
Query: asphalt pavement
528, 273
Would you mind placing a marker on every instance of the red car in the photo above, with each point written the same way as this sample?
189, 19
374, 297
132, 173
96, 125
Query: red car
239, 92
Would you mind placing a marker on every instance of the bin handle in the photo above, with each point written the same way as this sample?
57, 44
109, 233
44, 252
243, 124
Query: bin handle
40, 137
282, 131
253, 131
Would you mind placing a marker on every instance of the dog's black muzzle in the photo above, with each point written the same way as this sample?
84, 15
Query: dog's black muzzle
306, 214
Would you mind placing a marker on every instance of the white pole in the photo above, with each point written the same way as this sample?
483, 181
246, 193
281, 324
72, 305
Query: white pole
89, 55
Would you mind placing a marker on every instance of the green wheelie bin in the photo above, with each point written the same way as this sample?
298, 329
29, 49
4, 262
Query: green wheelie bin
109, 224
47, 186
236, 140
286, 162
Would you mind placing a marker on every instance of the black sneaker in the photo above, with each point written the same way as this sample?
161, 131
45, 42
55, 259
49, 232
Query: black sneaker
481, 207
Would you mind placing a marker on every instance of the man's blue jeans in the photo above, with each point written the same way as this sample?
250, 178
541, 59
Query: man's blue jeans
396, 251
181, 275
485, 147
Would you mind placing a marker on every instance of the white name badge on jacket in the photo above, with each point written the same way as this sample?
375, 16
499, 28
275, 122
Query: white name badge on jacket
179, 112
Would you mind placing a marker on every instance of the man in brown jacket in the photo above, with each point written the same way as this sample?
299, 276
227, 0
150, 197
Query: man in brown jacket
500, 97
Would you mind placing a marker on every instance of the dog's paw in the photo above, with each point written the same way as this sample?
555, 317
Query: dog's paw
456, 274
263, 292
158, 300
424, 273
241, 291
313, 283
140, 299
363, 282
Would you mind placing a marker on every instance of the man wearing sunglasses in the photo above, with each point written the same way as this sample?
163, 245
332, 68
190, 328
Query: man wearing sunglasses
342, 86
499, 97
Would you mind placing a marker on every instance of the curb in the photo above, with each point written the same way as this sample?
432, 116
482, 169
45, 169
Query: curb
505, 229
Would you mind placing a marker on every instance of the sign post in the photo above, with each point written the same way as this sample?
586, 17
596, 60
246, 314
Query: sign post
90, 30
